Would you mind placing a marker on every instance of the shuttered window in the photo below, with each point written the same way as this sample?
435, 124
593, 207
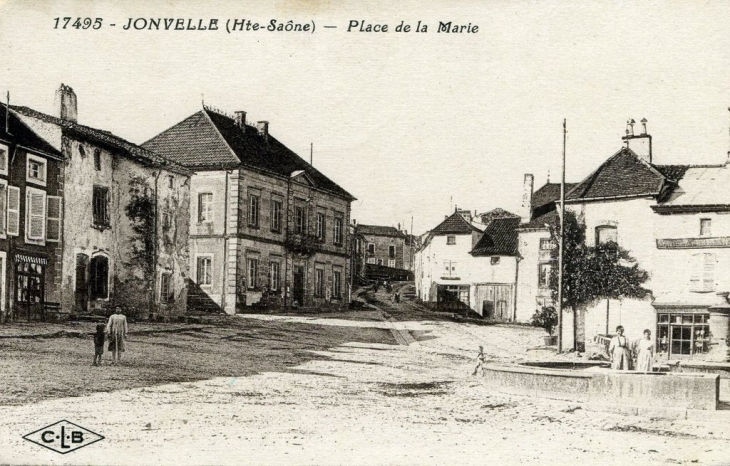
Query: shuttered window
3, 211
35, 214
13, 210
53, 220
703, 273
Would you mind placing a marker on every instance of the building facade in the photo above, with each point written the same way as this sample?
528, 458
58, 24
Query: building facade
31, 199
127, 242
465, 262
266, 228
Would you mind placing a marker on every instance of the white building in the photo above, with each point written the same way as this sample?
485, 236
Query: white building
463, 262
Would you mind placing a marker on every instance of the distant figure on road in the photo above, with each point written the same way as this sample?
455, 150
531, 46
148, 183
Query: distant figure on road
116, 328
397, 297
99, 343
645, 348
619, 350
481, 359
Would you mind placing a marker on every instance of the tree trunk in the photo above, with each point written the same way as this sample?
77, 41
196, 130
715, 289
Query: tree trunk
575, 328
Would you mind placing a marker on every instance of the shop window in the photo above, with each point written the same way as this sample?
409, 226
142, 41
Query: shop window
683, 334
30, 282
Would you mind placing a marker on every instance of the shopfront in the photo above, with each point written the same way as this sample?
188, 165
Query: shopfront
683, 333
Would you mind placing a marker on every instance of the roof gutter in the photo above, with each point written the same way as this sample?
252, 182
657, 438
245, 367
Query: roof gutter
609, 198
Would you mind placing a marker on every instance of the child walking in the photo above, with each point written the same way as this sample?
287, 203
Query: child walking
481, 359
99, 343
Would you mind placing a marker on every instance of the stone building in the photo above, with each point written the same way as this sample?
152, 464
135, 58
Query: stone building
31, 192
126, 239
266, 227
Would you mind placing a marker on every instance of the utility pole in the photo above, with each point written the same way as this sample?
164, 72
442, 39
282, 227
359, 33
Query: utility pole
562, 245
311, 153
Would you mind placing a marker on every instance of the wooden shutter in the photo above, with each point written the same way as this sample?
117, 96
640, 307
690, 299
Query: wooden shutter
708, 272
13, 210
3, 212
36, 214
53, 222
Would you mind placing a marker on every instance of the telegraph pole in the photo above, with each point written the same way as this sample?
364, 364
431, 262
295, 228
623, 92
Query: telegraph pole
562, 245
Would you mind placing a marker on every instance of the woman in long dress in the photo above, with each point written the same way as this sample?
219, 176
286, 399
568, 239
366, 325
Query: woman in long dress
619, 350
116, 328
645, 358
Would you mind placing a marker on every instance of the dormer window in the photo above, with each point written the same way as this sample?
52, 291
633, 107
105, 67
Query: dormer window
36, 170
705, 227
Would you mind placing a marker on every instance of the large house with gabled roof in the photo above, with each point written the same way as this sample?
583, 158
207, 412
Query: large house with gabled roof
120, 220
470, 262
266, 227
673, 219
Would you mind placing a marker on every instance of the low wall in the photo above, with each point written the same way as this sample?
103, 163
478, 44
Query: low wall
606, 387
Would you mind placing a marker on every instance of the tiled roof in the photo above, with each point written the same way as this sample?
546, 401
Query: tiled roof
702, 187
487, 217
209, 140
104, 138
454, 224
378, 230
499, 239
543, 204
21, 134
622, 175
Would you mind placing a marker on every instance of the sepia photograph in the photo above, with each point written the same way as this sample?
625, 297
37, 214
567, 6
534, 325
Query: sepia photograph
324, 232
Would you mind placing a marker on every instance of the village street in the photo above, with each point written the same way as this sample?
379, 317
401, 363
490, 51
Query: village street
357, 403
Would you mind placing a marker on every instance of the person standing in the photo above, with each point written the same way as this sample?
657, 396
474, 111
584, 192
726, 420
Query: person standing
481, 360
645, 358
98, 344
116, 328
619, 350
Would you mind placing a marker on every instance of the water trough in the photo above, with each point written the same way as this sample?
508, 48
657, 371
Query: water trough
594, 383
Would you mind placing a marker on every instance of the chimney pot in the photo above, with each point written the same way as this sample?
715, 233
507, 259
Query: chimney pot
241, 118
263, 128
643, 125
66, 103
527, 189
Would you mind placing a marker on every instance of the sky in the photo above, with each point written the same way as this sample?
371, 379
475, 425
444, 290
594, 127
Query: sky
412, 124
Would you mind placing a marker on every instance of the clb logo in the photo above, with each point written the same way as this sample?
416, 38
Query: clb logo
63, 437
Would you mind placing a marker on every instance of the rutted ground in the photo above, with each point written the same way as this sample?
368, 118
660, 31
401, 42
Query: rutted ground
353, 402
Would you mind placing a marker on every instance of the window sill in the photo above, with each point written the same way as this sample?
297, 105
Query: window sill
100, 227
36, 182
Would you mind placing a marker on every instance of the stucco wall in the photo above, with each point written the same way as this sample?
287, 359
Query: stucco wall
530, 296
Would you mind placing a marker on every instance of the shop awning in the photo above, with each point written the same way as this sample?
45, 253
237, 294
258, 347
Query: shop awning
31, 259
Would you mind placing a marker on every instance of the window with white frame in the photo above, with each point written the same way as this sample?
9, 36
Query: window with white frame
205, 207
253, 273
391, 262
371, 260
337, 234
204, 270
253, 210
300, 220
274, 275
546, 244
337, 284
606, 234
276, 208
35, 170
166, 291
319, 282
35, 215
705, 227
321, 226
543, 275
4, 154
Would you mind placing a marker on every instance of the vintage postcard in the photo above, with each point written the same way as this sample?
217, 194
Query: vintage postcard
384, 233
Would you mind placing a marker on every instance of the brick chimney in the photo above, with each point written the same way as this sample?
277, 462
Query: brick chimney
241, 118
263, 127
66, 103
640, 144
527, 188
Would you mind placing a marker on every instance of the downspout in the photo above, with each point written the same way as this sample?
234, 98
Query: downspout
154, 247
224, 279
286, 242
514, 289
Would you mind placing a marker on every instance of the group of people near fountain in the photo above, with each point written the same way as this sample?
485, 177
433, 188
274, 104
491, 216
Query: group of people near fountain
620, 350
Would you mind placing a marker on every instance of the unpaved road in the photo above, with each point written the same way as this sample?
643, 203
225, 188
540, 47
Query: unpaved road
361, 403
